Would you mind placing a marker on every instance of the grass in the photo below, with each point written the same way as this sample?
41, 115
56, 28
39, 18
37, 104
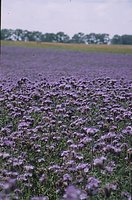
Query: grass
124, 49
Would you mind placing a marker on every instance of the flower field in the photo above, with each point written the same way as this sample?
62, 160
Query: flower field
65, 121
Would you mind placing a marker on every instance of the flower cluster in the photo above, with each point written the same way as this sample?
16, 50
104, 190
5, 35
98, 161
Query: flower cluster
57, 137
67, 139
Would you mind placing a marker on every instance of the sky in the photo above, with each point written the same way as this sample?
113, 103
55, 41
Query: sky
70, 16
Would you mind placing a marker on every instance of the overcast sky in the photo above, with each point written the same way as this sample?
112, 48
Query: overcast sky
69, 16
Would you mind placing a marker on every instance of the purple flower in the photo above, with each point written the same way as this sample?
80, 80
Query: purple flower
126, 195
9, 186
72, 193
109, 188
91, 131
99, 162
67, 177
29, 167
92, 186
39, 198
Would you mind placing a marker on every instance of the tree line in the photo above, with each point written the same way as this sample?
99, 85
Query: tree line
61, 37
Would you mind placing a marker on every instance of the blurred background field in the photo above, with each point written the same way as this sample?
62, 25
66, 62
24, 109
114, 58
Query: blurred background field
123, 49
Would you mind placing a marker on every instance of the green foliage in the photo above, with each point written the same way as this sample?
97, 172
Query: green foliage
124, 39
61, 37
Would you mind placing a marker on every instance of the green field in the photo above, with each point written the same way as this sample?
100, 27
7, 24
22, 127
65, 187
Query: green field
125, 49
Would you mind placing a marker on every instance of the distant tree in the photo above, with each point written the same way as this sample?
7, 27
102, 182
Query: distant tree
32, 36
78, 38
28, 36
48, 37
106, 38
20, 34
116, 39
62, 37
92, 38
126, 39
102, 38
36, 36
5, 34
86, 39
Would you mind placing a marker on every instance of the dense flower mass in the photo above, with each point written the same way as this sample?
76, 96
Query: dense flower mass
68, 139
52, 64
